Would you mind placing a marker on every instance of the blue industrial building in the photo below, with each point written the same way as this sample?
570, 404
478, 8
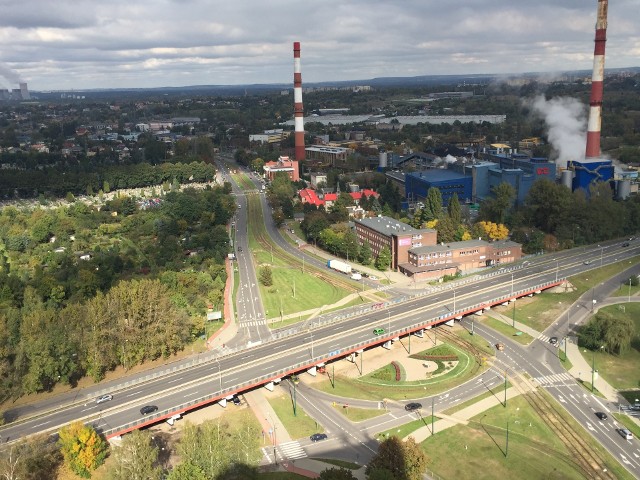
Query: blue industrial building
587, 172
417, 185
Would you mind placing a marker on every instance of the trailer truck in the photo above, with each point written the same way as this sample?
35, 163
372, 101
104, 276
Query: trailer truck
339, 266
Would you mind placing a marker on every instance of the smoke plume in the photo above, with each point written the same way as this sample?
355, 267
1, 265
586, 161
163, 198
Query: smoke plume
9, 74
566, 123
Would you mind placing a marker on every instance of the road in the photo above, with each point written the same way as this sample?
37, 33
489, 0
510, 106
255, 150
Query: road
326, 339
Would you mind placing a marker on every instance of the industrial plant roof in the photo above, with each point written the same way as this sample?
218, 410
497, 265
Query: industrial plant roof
437, 175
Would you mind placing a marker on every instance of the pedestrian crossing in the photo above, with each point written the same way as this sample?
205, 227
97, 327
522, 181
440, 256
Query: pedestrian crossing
562, 378
291, 451
544, 338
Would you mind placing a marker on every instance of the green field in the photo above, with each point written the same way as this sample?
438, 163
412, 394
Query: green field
621, 371
381, 383
299, 425
481, 453
506, 329
408, 428
356, 415
542, 310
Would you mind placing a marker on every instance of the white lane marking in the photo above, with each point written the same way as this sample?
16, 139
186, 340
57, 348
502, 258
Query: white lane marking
134, 393
41, 424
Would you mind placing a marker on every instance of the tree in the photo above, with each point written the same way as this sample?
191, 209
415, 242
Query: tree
135, 458
405, 460
82, 448
336, 473
187, 471
618, 333
432, 205
383, 261
266, 276
33, 459
454, 211
364, 254
495, 209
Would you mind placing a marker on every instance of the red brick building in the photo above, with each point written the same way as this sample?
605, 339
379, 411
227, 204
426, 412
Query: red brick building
284, 164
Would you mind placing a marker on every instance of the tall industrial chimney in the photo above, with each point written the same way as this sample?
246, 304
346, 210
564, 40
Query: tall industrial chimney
297, 106
597, 79
24, 91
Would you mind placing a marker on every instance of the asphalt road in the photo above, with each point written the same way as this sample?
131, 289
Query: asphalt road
255, 366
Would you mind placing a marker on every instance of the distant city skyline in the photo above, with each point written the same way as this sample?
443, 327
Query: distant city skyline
70, 45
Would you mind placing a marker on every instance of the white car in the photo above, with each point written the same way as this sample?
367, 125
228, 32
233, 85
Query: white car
104, 398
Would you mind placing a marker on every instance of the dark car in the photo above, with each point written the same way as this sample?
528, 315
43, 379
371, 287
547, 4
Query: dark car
601, 415
553, 340
147, 409
236, 401
625, 244
410, 407
316, 437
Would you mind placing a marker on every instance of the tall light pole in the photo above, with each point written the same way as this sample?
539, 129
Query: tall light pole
629, 297
512, 285
557, 268
219, 374
593, 369
389, 320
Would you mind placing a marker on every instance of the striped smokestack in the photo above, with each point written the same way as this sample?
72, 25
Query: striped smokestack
297, 105
597, 78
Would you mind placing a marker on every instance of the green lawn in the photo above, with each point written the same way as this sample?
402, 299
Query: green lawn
497, 391
477, 341
298, 426
479, 448
381, 384
621, 371
356, 415
540, 311
506, 329
629, 423
408, 428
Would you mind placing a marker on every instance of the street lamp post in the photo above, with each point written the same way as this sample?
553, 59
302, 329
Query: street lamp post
512, 285
557, 268
593, 369
219, 375
389, 319
629, 296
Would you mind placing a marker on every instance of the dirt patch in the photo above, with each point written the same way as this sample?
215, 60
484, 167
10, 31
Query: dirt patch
376, 358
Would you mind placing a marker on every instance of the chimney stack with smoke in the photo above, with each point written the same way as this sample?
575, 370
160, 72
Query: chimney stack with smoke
597, 79
297, 106
24, 91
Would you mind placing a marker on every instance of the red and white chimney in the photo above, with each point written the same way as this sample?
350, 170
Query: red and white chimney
597, 79
297, 105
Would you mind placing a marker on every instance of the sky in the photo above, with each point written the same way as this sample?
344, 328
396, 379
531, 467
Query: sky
73, 44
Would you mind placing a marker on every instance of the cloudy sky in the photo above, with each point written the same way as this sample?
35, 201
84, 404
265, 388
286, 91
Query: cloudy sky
73, 44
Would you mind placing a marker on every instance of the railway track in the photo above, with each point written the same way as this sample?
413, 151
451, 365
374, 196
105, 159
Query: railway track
584, 457
263, 240
589, 459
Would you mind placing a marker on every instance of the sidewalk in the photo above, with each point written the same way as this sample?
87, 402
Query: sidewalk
580, 367
461, 417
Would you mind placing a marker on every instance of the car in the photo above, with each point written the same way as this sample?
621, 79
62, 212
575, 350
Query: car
626, 434
553, 340
147, 409
500, 346
373, 277
410, 407
316, 437
587, 262
601, 415
378, 331
625, 244
104, 398
236, 400
239, 249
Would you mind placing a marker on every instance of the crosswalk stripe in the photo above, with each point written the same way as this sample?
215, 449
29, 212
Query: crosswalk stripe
292, 450
554, 378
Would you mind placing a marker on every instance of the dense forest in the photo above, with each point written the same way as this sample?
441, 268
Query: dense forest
85, 289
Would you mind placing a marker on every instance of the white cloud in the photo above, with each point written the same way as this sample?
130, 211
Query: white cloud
169, 42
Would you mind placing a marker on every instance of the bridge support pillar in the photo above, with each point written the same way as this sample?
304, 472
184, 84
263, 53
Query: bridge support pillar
312, 371
449, 323
419, 333
387, 344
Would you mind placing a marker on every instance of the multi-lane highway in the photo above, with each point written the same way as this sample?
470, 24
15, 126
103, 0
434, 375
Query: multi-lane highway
300, 349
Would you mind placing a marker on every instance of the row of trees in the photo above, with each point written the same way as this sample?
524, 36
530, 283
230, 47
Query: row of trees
216, 449
58, 182
614, 333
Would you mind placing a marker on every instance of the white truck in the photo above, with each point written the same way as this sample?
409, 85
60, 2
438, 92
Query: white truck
356, 276
339, 266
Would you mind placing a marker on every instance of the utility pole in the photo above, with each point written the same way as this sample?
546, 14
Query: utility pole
505, 389
432, 417
514, 313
